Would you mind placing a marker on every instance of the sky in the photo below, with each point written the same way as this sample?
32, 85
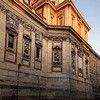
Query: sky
90, 10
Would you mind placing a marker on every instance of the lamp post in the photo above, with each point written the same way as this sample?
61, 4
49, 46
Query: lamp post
19, 65
85, 89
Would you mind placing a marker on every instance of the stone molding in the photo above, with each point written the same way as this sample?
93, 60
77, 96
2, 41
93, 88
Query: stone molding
18, 19
56, 38
3, 9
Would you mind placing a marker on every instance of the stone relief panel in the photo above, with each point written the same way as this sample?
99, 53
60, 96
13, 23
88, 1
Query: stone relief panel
26, 49
73, 60
26, 46
57, 56
80, 62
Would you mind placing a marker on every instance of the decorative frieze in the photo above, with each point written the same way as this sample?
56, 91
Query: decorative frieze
57, 37
3, 9
26, 24
80, 52
19, 20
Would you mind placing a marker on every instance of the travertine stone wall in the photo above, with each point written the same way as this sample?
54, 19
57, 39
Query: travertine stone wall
66, 57
32, 50
44, 82
20, 42
49, 59
44, 55
2, 35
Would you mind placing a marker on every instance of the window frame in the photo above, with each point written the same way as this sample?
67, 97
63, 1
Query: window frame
38, 58
11, 42
15, 41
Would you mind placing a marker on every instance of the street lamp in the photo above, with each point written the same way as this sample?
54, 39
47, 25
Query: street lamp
19, 65
85, 89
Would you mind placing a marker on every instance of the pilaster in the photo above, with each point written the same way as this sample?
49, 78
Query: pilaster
66, 57
49, 55
2, 35
20, 42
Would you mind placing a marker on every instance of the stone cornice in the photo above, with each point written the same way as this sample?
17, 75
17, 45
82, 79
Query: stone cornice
56, 37
37, 18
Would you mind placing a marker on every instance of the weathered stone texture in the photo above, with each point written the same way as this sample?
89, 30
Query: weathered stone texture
2, 35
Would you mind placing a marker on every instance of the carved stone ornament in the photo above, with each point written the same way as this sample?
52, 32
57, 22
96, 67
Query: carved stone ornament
57, 55
80, 52
73, 51
26, 36
37, 36
3, 9
57, 47
12, 28
86, 61
25, 24
19, 20
37, 42
56, 38
26, 49
12, 18
73, 60
85, 52
80, 72
26, 46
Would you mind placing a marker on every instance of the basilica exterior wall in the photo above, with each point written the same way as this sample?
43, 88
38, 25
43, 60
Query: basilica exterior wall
56, 63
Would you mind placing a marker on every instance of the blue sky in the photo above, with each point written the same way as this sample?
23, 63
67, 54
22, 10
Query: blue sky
90, 10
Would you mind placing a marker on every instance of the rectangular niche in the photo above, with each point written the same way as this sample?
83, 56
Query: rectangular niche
38, 50
80, 62
57, 56
26, 55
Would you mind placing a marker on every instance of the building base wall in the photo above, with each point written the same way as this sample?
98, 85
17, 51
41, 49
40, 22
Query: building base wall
51, 88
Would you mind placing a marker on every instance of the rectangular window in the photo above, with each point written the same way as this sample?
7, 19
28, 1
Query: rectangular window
11, 41
37, 52
38, 57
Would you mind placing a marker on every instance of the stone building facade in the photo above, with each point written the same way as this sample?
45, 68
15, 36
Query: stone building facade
49, 40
